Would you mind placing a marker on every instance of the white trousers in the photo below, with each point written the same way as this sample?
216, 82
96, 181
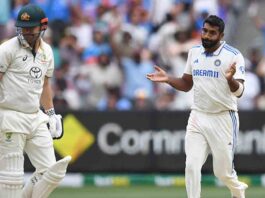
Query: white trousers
215, 133
40, 150
19, 133
38, 145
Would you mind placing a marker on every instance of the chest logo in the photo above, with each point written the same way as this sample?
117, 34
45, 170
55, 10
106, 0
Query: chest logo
8, 137
217, 62
25, 58
35, 72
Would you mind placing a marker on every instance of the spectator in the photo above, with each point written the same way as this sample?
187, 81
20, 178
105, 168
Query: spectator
141, 100
123, 45
101, 75
134, 70
252, 89
81, 30
134, 26
59, 14
70, 51
114, 101
98, 46
5, 9
165, 100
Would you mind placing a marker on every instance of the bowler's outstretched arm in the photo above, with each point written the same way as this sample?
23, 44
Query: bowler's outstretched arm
184, 83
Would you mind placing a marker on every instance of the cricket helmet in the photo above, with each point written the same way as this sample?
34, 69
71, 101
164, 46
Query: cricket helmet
31, 15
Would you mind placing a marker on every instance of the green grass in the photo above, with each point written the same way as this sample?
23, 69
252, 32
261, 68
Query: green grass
148, 192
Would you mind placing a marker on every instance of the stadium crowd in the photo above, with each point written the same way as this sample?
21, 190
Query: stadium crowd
103, 49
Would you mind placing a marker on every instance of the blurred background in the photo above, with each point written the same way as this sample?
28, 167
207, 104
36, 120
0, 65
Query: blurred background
104, 48
120, 128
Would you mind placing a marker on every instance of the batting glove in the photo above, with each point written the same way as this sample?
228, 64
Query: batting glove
55, 125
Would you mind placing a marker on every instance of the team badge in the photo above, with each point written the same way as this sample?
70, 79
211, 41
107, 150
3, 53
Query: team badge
43, 57
8, 137
25, 17
217, 62
35, 72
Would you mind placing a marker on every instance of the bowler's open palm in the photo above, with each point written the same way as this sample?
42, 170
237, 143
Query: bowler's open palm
158, 76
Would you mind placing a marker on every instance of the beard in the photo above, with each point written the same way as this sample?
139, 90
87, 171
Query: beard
207, 44
32, 39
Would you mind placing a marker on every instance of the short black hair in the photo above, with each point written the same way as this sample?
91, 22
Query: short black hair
214, 20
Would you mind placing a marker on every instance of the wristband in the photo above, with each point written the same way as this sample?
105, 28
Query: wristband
50, 112
239, 91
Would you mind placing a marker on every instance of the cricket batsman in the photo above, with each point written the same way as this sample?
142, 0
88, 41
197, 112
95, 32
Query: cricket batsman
26, 65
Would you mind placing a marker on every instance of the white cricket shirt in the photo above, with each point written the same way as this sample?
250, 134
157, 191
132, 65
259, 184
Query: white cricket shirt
22, 82
211, 91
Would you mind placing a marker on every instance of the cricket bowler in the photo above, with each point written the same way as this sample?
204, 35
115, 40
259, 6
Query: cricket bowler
216, 72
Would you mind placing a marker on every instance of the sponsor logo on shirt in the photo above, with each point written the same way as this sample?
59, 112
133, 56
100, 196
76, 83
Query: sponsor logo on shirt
35, 75
35, 72
206, 73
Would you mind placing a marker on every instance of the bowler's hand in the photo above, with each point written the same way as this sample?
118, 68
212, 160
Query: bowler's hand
158, 76
55, 126
229, 73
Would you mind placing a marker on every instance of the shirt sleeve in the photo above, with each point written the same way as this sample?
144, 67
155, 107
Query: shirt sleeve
5, 58
240, 67
50, 69
188, 68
